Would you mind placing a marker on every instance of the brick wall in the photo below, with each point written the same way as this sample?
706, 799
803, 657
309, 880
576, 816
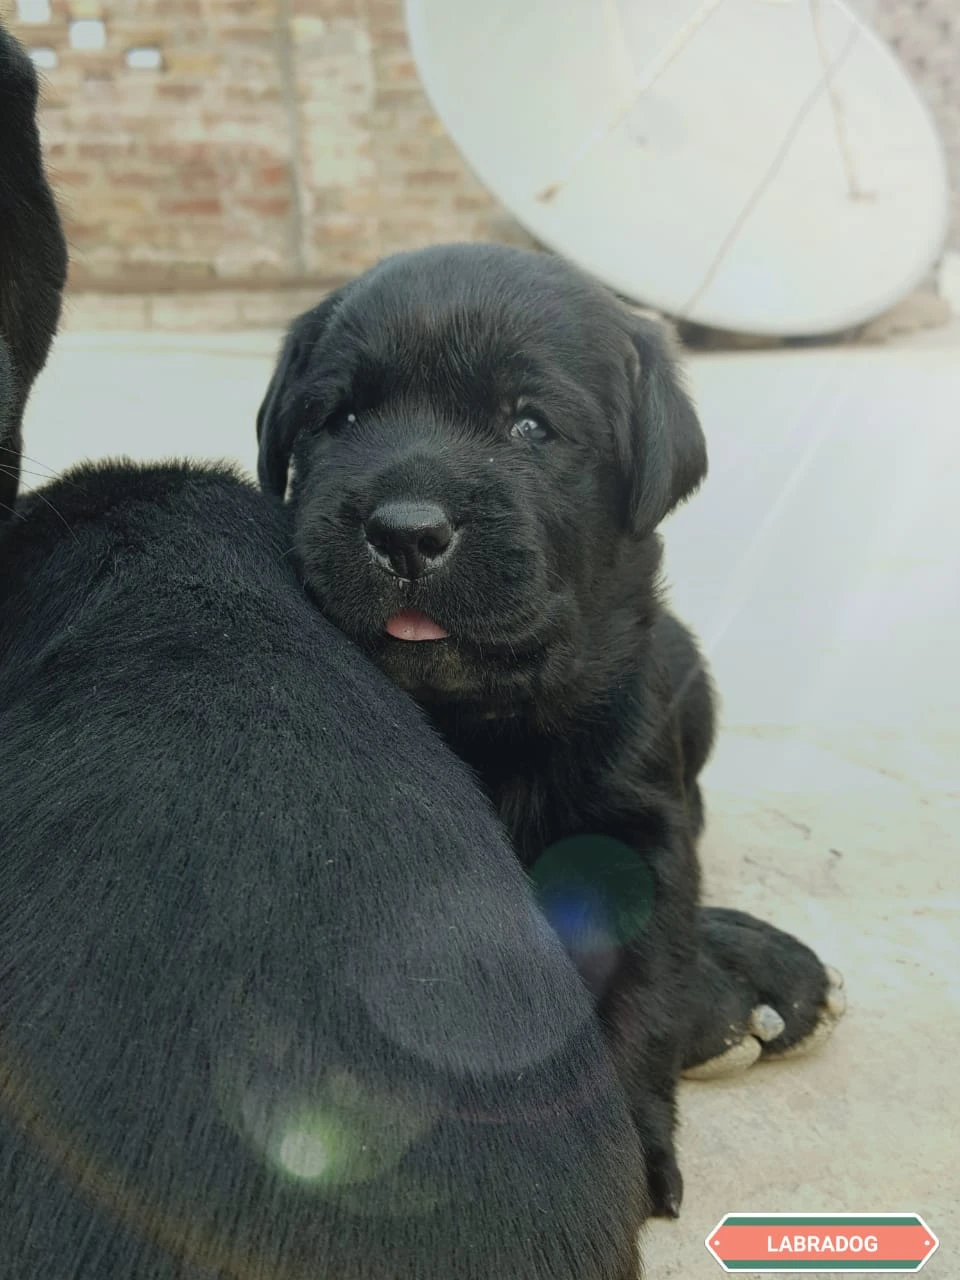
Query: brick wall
279, 141
285, 141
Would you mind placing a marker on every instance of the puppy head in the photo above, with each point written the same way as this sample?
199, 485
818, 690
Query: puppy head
33, 256
482, 441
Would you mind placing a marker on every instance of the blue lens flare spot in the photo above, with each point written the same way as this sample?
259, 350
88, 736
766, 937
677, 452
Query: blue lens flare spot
595, 891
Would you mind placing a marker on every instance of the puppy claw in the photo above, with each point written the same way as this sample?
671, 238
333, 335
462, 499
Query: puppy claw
835, 1006
765, 1023
836, 1000
836, 1003
736, 1059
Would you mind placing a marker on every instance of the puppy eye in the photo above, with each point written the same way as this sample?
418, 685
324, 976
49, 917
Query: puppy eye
528, 428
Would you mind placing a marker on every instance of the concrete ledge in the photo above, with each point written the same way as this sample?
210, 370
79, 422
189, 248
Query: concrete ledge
221, 310
237, 310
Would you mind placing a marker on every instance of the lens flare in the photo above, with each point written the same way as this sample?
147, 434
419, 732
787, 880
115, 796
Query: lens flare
303, 1154
596, 892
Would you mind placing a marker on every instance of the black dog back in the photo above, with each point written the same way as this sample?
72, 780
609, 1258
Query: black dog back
274, 998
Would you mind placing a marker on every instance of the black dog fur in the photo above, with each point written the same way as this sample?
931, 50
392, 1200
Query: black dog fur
256, 920
33, 258
545, 431
244, 882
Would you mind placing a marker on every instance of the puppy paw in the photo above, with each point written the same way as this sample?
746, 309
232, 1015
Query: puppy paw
762, 994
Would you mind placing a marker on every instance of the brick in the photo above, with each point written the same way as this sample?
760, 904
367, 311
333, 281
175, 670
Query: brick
118, 204
248, 94
180, 92
397, 96
260, 32
396, 66
127, 31
268, 206
326, 8
391, 40
171, 10
179, 153
336, 227
367, 200
249, 8
144, 180
432, 178
272, 175
64, 179
184, 62
195, 208
481, 203
199, 175
385, 11
84, 230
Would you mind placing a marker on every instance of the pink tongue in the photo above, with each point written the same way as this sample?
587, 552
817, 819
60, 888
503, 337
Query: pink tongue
411, 624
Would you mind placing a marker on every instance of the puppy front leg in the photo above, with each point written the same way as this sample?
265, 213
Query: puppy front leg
644, 999
646, 1045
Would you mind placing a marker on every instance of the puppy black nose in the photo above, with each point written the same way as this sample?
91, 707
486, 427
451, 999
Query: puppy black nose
413, 538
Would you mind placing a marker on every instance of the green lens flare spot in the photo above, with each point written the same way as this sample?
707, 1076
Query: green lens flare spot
320, 1147
303, 1154
348, 1134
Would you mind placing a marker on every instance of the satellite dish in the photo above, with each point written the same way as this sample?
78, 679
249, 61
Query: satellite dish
762, 166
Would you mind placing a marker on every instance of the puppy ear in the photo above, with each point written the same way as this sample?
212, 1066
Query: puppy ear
278, 419
666, 453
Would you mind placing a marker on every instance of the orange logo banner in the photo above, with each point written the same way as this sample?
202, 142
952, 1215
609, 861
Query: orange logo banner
821, 1243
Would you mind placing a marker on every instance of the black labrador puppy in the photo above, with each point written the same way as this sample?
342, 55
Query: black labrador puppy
276, 1001
483, 442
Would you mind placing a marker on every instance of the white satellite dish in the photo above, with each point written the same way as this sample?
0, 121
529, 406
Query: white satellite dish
763, 166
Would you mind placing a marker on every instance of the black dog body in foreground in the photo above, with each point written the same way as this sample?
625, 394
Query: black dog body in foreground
482, 444
275, 999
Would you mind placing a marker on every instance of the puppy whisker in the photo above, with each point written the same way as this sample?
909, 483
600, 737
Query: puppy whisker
17, 453
8, 470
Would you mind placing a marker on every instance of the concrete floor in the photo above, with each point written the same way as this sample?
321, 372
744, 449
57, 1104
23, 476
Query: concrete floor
821, 565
